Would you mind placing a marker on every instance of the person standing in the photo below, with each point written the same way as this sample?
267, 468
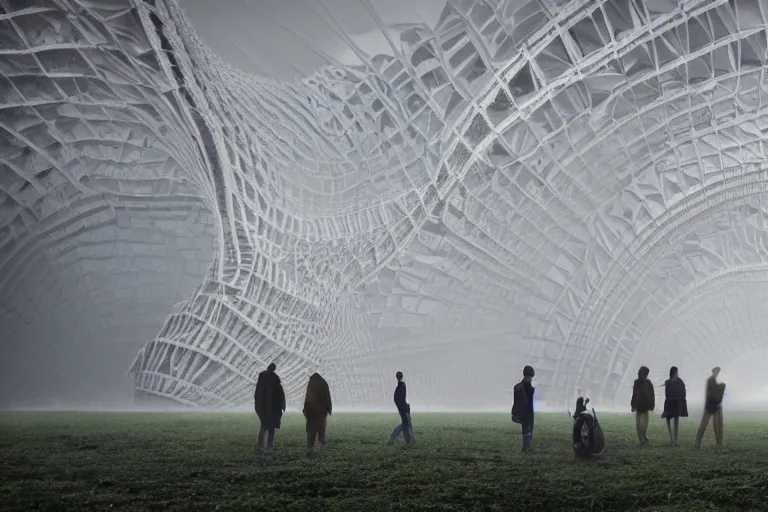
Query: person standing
317, 408
713, 408
404, 409
675, 403
642, 403
269, 402
522, 406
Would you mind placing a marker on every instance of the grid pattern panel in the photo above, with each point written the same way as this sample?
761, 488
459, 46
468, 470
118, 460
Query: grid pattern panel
518, 184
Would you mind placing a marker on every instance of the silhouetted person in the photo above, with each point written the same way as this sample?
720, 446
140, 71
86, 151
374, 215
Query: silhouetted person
522, 406
269, 402
675, 403
317, 407
643, 402
404, 409
713, 408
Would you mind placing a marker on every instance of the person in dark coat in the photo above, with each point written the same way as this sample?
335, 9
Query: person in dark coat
522, 406
675, 403
643, 402
317, 408
713, 409
404, 410
269, 402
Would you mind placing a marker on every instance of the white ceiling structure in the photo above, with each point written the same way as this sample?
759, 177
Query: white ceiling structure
451, 189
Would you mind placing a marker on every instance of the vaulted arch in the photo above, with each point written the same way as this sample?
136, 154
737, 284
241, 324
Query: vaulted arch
511, 183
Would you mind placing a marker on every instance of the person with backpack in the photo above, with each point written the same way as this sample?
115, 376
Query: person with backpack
587, 434
713, 409
675, 403
317, 408
269, 402
642, 403
404, 409
522, 406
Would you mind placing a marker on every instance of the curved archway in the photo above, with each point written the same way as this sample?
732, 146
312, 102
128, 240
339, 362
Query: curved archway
494, 191
709, 325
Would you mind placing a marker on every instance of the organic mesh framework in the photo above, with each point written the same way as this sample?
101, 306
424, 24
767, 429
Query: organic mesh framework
576, 185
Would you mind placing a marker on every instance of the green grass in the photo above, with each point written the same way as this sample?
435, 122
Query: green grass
188, 462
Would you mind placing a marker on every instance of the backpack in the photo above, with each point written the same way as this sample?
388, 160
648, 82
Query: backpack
587, 436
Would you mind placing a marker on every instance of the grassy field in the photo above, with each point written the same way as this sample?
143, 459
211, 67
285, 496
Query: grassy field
188, 462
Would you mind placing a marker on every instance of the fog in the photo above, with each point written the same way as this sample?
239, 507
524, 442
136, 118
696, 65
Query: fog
67, 376
193, 191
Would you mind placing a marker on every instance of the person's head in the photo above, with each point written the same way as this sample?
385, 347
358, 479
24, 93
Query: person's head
673, 372
272, 367
528, 373
399, 376
643, 372
715, 371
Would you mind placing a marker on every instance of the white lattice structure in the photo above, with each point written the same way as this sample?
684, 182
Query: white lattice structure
546, 183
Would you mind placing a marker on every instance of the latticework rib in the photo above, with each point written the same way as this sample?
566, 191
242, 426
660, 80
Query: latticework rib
518, 184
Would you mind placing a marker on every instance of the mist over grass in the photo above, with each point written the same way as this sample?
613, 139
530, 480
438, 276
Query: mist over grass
203, 462
695, 409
